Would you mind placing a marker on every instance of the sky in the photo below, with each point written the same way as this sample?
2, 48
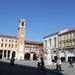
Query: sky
43, 17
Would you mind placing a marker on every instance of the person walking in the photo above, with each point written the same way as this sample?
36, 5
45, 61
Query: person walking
41, 63
12, 61
71, 62
58, 64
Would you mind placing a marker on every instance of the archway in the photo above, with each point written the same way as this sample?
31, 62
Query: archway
27, 56
1, 51
34, 57
13, 54
8, 54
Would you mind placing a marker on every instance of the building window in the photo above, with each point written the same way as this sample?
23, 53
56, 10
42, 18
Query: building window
66, 36
59, 38
2, 39
5, 44
6, 40
15, 46
12, 45
12, 40
9, 40
50, 42
1, 44
9, 45
69, 35
55, 42
72, 35
45, 43
15, 41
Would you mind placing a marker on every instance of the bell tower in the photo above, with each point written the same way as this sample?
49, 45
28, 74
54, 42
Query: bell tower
21, 39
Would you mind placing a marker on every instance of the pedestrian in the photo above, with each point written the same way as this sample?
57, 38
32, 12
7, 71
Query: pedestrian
58, 64
71, 62
41, 63
12, 61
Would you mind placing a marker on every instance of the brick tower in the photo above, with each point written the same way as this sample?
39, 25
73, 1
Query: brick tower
21, 39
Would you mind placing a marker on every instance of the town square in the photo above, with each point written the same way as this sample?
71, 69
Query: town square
37, 37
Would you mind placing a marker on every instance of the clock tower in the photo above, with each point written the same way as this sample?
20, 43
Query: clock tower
21, 39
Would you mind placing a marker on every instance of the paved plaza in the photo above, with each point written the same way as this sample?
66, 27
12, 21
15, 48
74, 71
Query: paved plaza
17, 69
66, 69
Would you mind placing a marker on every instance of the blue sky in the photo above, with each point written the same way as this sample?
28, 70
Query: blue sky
43, 17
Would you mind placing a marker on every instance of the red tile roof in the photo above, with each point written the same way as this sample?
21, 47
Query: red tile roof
33, 42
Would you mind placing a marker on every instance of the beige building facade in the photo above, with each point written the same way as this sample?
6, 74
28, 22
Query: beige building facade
59, 45
66, 42
22, 48
50, 48
8, 45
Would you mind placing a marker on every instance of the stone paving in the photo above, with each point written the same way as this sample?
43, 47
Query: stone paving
66, 69
21, 68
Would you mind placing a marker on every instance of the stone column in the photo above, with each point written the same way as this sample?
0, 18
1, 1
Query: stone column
3, 54
31, 56
10, 54
59, 57
66, 58
48, 60
20, 55
6, 54
66, 54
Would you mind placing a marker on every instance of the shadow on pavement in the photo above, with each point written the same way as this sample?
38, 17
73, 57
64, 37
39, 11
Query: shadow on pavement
8, 69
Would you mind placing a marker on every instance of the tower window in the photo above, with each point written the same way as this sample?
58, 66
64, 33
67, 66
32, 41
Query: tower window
22, 23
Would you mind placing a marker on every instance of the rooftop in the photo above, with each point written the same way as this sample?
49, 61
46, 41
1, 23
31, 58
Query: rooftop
8, 36
26, 41
33, 42
50, 35
68, 31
